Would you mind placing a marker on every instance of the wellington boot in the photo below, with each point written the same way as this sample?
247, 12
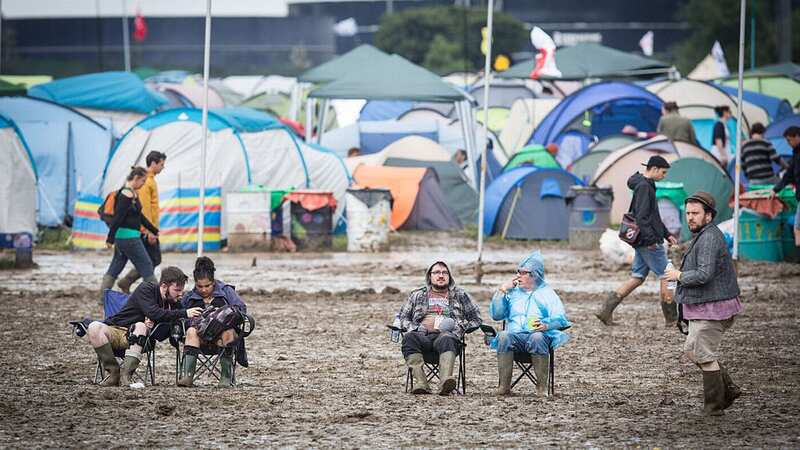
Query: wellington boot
713, 393
670, 311
108, 361
446, 362
541, 368
414, 362
606, 313
128, 368
189, 367
732, 391
125, 282
505, 368
226, 371
108, 283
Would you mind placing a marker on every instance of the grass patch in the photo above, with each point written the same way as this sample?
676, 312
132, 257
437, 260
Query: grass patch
53, 239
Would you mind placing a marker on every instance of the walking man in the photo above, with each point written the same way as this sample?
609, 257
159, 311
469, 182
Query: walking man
792, 175
674, 126
148, 196
650, 252
758, 156
709, 297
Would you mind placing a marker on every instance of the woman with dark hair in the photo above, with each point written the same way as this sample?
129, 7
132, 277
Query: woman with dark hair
209, 292
124, 232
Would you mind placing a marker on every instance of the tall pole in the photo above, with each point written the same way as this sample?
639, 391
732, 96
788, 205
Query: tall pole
487, 77
737, 169
126, 37
753, 35
204, 143
1, 36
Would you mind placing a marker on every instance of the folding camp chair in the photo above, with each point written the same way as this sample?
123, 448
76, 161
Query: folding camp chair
113, 302
431, 364
208, 358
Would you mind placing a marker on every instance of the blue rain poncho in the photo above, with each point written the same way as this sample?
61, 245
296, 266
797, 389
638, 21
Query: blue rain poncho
518, 306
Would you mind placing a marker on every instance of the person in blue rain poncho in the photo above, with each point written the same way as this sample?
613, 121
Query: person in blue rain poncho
534, 317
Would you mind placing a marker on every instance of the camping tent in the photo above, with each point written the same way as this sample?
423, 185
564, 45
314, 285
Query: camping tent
68, 148
585, 166
776, 80
118, 98
410, 147
362, 56
613, 142
418, 201
502, 92
188, 95
524, 117
775, 108
698, 175
461, 198
775, 131
529, 203
18, 181
532, 155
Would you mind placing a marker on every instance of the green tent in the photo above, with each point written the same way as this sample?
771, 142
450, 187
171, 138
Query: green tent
588, 60
585, 166
776, 80
613, 142
498, 115
535, 155
7, 89
700, 175
353, 61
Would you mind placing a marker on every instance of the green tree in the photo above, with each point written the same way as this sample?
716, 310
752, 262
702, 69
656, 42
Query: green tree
447, 38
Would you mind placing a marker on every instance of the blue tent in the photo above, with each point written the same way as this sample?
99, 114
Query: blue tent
384, 109
529, 203
776, 108
604, 108
69, 150
116, 91
775, 134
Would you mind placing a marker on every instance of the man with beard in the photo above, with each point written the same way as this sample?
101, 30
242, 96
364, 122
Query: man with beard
436, 317
709, 297
149, 305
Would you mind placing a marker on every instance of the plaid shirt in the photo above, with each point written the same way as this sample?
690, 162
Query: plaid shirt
462, 309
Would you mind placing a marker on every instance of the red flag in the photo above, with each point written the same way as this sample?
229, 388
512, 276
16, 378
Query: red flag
139, 27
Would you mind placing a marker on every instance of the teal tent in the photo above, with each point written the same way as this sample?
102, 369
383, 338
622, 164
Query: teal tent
585, 166
700, 175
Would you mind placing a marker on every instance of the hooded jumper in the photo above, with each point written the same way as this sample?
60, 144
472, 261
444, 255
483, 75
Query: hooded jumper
645, 208
462, 309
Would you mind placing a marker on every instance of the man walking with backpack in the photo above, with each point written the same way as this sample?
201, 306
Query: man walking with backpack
650, 252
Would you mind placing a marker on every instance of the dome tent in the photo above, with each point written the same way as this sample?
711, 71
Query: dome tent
698, 175
18, 181
534, 155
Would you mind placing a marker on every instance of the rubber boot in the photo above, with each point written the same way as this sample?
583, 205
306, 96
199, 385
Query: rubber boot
541, 368
606, 314
446, 362
108, 283
189, 367
226, 371
505, 368
732, 391
713, 393
129, 367
125, 282
108, 361
414, 362
670, 311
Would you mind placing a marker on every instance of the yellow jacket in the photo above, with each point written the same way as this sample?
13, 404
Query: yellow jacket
148, 195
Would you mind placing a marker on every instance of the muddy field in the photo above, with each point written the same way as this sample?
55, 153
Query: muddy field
323, 372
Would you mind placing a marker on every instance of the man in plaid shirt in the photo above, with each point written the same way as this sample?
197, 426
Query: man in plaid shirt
435, 318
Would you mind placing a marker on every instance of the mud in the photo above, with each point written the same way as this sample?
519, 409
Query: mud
323, 372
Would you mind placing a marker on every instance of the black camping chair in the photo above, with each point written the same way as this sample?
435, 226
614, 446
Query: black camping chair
208, 358
431, 362
113, 302
523, 361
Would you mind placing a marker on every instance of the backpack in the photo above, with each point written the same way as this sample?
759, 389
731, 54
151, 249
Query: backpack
216, 320
106, 209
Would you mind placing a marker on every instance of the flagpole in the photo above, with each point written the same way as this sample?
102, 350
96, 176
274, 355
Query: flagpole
126, 43
204, 144
487, 76
737, 167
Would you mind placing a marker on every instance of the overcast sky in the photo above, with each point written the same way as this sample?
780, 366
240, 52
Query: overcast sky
91, 8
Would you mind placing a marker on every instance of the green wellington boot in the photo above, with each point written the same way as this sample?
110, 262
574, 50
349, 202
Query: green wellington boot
713, 393
541, 368
108, 361
505, 368
446, 362
226, 371
189, 367
414, 362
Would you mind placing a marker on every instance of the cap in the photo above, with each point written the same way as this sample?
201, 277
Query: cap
657, 161
704, 198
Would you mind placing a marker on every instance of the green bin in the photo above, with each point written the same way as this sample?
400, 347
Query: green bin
760, 238
787, 220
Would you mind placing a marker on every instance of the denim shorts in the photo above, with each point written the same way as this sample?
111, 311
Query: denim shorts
651, 258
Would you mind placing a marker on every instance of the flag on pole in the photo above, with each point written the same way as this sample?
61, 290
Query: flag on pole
546, 58
719, 58
646, 43
347, 27
139, 27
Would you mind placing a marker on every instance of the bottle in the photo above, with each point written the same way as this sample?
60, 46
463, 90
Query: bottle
395, 332
671, 285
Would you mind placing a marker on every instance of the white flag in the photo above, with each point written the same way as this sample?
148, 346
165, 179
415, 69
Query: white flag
646, 43
347, 27
719, 57
546, 58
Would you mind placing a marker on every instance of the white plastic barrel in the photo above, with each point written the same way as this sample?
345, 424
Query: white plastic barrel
369, 212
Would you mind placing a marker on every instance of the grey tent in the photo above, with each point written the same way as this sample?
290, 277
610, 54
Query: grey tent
585, 166
462, 199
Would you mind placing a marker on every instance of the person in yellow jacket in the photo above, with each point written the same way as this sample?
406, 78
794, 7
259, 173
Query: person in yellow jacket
148, 196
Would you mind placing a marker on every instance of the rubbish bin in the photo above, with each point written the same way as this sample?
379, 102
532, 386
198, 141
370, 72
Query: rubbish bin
670, 197
760, 237
589, 215
248, 220
312, 218
369, 212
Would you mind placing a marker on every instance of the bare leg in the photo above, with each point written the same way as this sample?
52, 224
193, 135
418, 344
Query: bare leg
192, 338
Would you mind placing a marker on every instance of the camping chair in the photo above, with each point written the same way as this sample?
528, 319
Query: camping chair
113, 302
524, 363
431, 363
208, 358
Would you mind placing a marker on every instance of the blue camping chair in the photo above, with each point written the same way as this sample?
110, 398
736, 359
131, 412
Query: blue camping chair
113, 302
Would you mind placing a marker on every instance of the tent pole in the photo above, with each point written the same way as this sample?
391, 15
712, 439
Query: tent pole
323, 116
126, 38
511, 212
487, 76
309, 120
738, 166
204, 143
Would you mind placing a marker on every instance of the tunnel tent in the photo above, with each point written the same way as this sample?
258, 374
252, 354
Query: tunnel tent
68, 148
585, 166
775, 131
529, 203
775, 108
532, 155
18, 181
418, 201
